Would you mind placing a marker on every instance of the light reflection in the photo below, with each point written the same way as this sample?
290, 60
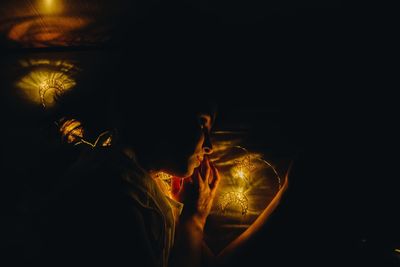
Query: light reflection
47, 81
48, 30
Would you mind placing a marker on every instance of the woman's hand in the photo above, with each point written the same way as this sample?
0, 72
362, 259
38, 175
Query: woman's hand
198, 193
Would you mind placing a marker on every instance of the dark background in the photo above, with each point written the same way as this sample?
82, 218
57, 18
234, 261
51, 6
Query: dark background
283, 71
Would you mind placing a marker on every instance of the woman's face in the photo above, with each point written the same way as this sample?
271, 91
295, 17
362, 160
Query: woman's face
190, 144
203, 145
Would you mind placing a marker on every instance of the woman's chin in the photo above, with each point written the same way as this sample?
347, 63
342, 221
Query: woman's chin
185, 170
188, 172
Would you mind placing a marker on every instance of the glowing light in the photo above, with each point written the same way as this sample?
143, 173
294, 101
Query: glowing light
72, 131
245, 163
243, 168
234, 198
164, 182
43, 86
54, 84
99, 140
50, 7
47, 81
47, 31
241, 174
162, 176
247, 187
244, 171
107, 142
397, 250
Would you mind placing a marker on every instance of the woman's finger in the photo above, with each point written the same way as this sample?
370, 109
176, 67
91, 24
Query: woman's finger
216, 177
207, 171
197, 179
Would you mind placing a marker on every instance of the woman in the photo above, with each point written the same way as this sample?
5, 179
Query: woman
110, 210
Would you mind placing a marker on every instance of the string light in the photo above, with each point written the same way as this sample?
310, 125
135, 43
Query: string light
247, 165
97, 142
52, 84
234, 198
72, 131
243, 172
243, 176
47, 80
243, 168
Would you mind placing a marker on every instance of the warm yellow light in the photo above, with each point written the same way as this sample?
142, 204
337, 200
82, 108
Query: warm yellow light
50, 7
162, 176
245, 163
47, 80
42, 86
107, 142
240, 173
397, 250
72, 131
234, 198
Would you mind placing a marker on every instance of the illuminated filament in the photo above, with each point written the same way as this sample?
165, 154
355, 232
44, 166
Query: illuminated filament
72, 131
54, 85
234, 198
243, 168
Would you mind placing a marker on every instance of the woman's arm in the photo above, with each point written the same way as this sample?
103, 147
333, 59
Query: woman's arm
189, 248
198, 196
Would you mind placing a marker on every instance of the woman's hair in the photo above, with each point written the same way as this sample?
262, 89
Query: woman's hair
91, 107
138, 103
144, 112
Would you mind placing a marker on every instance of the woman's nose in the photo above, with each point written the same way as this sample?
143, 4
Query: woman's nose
207, 150
207, 146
